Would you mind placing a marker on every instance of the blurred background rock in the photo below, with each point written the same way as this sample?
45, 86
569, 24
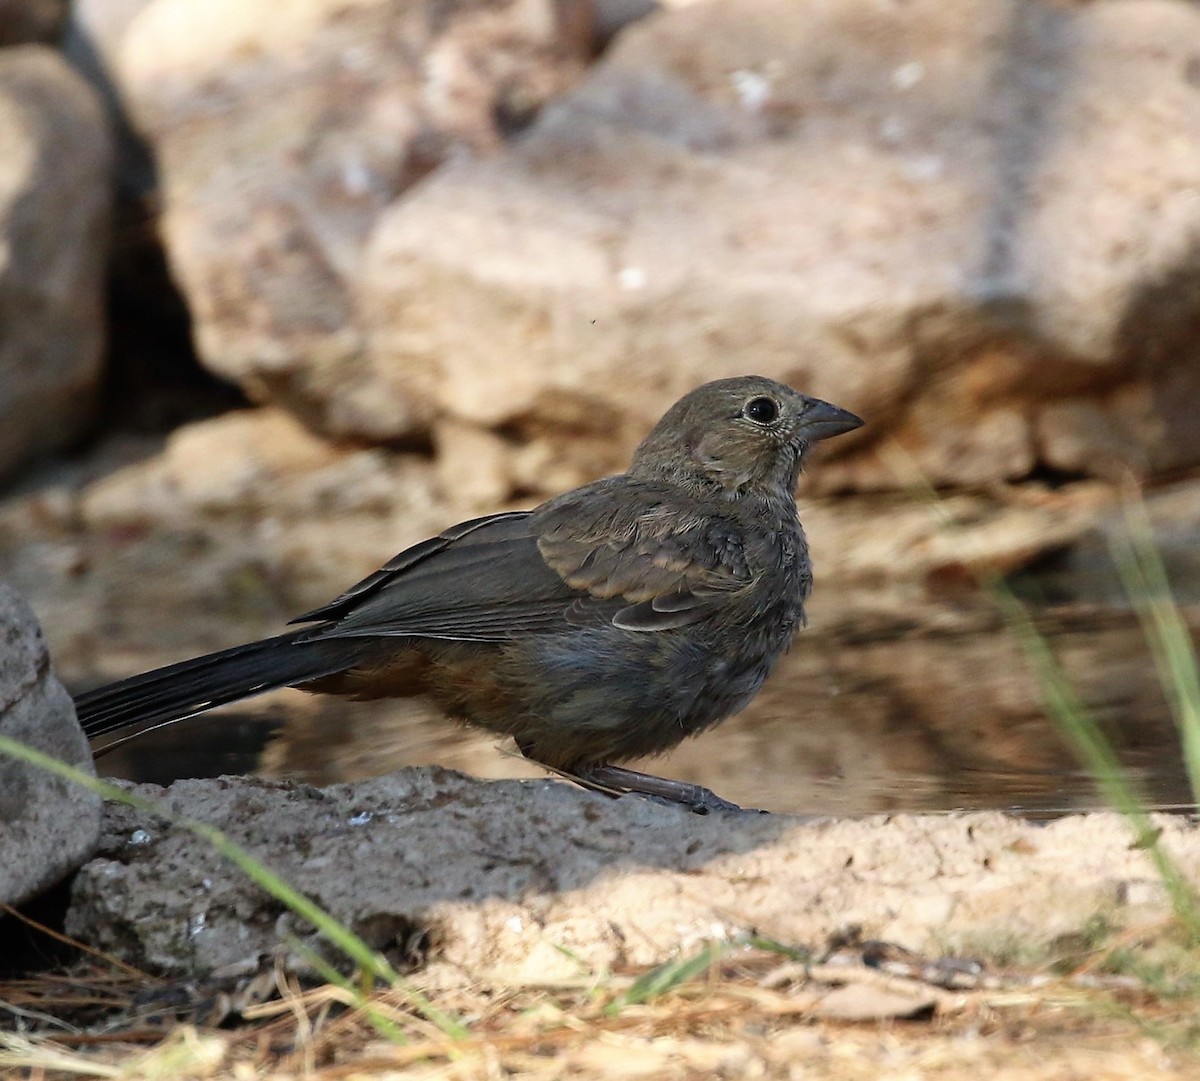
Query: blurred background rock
286, 288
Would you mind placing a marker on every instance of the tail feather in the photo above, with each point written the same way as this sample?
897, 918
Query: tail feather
190, 687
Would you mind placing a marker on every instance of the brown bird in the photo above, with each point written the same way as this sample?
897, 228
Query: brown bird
608, 623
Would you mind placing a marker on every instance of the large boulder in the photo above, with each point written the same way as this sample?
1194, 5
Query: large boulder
48, 826
948, 218
54, 212
282, 133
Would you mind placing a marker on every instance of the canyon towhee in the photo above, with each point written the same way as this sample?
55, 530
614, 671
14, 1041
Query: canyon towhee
608, 623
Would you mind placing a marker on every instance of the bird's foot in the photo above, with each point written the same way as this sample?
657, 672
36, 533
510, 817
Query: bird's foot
618, 781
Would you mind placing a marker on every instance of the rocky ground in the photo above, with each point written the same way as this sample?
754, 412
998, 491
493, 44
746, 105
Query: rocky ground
574, 936
547, 880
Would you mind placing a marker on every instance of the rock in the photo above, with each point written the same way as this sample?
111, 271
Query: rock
92, 43
963, 232
473, 463
610, 17
97, 30
282, 133
948, 220
862, 1002
54, 205
24, 22
48, 826
525, 882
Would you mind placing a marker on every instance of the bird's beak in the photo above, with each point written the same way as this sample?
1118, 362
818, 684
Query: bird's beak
823, 421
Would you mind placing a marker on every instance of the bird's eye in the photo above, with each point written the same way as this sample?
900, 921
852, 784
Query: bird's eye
761, 410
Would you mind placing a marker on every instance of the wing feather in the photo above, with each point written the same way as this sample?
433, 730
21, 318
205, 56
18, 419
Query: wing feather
673, 561
613, 551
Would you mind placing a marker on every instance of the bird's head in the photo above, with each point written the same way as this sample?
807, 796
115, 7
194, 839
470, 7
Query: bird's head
743, 435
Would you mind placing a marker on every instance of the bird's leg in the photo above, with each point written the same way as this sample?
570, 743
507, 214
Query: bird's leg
695, 797
617, 781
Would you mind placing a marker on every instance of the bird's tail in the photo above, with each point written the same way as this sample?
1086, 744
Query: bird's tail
190, 687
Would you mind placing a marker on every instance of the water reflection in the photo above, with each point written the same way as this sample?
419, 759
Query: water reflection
913, 697
857, 760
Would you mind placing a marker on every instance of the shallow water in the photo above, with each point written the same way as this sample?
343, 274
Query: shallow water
763, 759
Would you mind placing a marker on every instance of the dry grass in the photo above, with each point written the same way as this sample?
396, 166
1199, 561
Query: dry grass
749, 1012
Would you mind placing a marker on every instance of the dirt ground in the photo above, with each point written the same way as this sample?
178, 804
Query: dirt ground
748, 1014
544, 932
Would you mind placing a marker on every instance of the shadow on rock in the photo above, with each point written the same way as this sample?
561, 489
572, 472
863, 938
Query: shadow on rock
534, 882
395, 858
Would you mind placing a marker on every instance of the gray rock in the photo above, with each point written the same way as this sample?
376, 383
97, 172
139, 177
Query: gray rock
536, 881
48, 827
54, 210
610, 17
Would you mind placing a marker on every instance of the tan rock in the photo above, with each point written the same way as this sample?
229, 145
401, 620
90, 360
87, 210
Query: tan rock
949, 219
282, 133
473, 463
234, 460
54, 206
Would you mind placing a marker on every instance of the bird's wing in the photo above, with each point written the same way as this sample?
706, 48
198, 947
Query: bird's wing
483, 580
573, 560
670, 561
494, 528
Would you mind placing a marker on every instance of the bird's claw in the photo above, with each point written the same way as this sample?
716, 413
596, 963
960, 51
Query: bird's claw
618, 781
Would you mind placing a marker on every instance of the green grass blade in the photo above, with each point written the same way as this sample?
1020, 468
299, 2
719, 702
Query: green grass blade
772, 945
1067, 710
1144, 577
667, 976
350, 944
385, 1026
1096, 754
